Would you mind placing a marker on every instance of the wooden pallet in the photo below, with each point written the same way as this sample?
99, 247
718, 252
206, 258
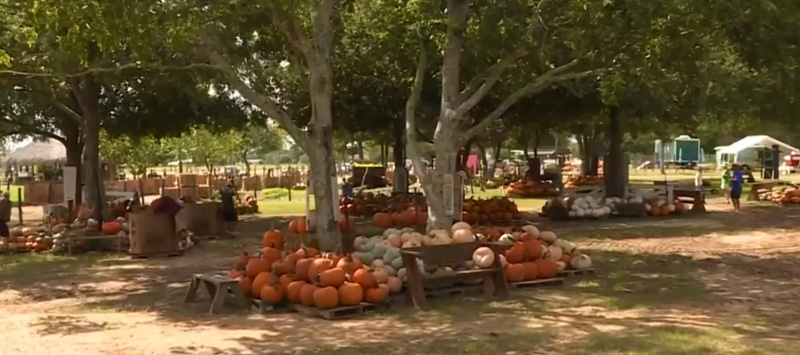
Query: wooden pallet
156, 255
267, 308
462, 290
567, 273
339, 312
537, 283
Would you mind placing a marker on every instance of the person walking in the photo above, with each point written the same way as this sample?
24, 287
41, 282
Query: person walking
698, 182
5, 214
737, 183
725, 184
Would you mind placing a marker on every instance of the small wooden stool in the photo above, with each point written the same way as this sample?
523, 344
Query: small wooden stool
218, 286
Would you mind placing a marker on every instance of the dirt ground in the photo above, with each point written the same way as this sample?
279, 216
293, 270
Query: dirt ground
722, 283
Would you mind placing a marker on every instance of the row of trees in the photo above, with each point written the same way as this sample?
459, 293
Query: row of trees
201, 145
456, 73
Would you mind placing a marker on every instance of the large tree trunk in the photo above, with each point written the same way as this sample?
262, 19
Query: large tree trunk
87, 91
73, 144
614, 163
492, 165
321, 158
246, 164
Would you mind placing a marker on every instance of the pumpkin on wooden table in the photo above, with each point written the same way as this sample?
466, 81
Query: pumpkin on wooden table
377, 295
364, 278
246, 284
382, 220
271, 294
334, 277
293, 291
515, 272
547, 268
318, 266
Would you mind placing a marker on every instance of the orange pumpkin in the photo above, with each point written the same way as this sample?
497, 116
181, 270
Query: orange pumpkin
298, 226
307, 294
349, 264
326, 298
365, 279
270, 254
306, 252
317, 267
350, 294
302, 268
332, 277
566, 258
547, 268
533, 249
272, 238
256, 266
241, 260
232, 274
271, 294
284, 281
515, 272
111, 227
382, 220
246, 284
530, 270
261, 280
377, 294
516, 254
293, 291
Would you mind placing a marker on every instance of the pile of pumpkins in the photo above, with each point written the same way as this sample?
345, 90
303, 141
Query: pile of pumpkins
63, 232
23, 239
487, 211
412, 216
527, 188
310, 278
534, 254
303, 226
367, 204
784, 195
581, 180
659, 207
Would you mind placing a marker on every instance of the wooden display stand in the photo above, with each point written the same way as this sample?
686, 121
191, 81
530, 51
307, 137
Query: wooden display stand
202, 219
152, 234
419, 286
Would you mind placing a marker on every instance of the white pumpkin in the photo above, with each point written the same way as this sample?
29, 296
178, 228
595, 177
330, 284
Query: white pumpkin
463, 236
549, 236
408, 230
436, 232
378, 263
380, 275
503, 261
401, 274
441, 239
566, 246
532, 231
554, 253
507, 239
460, 225
581, 262
561, 265
483, 257
394, 240
395, 283
405, 237
391, 231
427, 240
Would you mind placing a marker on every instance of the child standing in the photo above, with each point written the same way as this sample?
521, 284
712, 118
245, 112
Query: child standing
725, 184
737, 183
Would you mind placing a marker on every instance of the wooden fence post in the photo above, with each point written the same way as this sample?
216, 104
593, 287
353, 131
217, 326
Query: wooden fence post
19, 204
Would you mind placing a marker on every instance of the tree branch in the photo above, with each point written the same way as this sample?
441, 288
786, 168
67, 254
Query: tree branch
541, 82
493, 74
288, 26
103, 70
263, 102
68, 110
411, 118
25, 128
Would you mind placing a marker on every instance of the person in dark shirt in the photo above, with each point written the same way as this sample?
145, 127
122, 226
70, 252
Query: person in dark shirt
227, 197
5, 214
737, 183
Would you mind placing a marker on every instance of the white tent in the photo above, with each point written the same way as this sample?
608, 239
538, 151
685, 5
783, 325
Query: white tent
748, 150
756, 142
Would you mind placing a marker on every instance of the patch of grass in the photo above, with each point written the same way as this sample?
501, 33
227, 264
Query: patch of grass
283, 207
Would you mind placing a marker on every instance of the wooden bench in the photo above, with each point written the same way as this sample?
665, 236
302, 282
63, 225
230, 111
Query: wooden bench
494, 280
220, 287
694, 197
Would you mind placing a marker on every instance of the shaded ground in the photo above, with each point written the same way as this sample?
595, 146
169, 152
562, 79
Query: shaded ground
721, 283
